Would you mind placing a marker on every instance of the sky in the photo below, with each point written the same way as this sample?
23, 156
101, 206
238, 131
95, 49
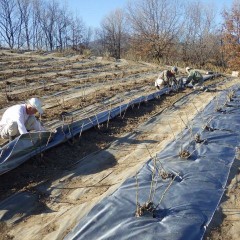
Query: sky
93, 11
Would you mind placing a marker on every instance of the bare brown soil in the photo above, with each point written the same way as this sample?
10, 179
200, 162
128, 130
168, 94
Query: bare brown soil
82, 171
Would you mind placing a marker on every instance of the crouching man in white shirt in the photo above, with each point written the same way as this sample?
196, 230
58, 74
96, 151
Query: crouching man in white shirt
20, 119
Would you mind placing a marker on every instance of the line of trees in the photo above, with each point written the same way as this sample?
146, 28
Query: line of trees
40, 24
174, 31
167, 31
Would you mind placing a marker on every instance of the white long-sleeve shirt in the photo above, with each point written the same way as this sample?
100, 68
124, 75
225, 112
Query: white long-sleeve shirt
18, 113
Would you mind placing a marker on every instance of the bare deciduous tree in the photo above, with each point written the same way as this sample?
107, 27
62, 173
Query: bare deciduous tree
77, 33
63, 24
155, 26
38, 35
48, 20
25, 8
113, 29
9, 21
198, 41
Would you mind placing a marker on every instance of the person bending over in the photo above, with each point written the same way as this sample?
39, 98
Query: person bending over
194, 77
166, 78
19, 119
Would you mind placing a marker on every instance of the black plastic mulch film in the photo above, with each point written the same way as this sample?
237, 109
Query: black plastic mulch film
183, 202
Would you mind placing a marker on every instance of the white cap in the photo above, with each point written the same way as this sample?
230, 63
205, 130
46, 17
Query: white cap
36, 103
187, 69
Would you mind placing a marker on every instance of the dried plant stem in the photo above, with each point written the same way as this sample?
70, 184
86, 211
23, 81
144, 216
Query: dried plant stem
172, 131
7, 94
109, 114
40, 138
196, 148
70, 130
95, 92
164, 193
120, 110
183, 121
1, 152
63, 103
161, 164
49, 138
153, 175
198, 111
85, 86
97, 121
30, 138
125, 111
146, 98
139, 103
137, 190
80, 134
148, 151
158, 174
132, 105
65, 137
59, 103
88, 116
190, 128
210, 119
217, 103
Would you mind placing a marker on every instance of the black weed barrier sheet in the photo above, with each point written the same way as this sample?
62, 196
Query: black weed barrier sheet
181, 204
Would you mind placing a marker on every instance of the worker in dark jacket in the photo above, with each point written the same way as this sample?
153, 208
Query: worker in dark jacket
194, 77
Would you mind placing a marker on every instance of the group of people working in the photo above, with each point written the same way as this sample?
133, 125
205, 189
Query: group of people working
168, 78
20, 118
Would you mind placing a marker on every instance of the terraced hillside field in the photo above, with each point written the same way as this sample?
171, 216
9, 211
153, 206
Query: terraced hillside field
71, 83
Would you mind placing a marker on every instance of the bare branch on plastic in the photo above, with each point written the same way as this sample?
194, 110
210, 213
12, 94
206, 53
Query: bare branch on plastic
80, 134
206, 126
97, 121
125, 111
152, 181
109, 114
164, 193
197, 148
137, 191
183, 121
200, 114
189, 127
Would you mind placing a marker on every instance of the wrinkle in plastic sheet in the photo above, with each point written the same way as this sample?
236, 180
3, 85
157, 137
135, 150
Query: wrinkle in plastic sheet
188, 206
